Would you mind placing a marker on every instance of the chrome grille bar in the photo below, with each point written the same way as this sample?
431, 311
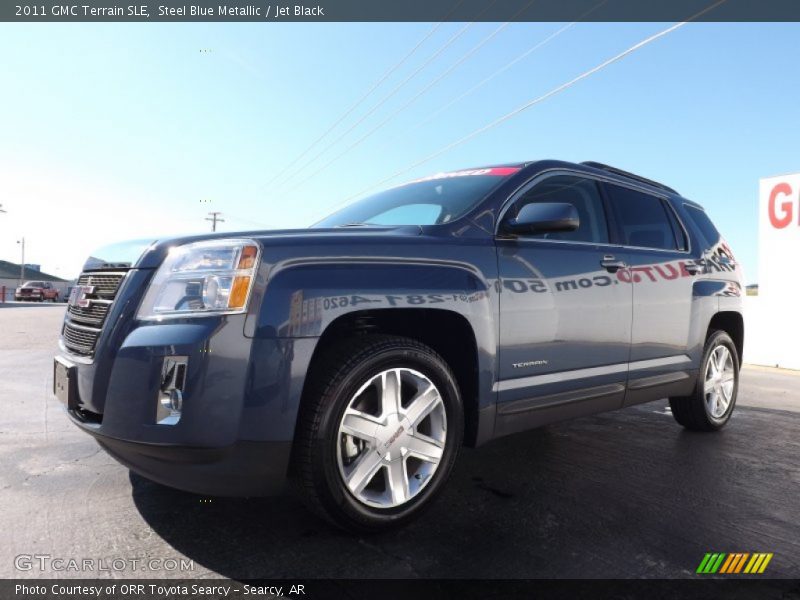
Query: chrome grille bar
84, 321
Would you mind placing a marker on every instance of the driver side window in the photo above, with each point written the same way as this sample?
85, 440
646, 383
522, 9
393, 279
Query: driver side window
583, 194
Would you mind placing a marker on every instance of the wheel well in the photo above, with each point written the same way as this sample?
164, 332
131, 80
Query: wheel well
731, 323
447, 332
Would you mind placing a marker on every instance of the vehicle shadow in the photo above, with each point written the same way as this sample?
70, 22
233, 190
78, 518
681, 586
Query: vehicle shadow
567, 500
279, 537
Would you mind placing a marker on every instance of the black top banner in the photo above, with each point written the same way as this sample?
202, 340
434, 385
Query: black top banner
272, 11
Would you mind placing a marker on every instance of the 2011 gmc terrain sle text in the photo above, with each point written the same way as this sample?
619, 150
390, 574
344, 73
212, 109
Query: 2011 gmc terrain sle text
356, 357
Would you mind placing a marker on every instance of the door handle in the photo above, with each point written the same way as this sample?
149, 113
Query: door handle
611, 264
696, 267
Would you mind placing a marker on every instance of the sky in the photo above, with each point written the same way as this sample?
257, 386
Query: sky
127, 131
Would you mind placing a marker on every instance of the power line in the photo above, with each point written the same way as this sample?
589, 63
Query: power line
382, 101
215, 218
503, 69
358, 102
413, 99
385, 99
369, 92
535, 101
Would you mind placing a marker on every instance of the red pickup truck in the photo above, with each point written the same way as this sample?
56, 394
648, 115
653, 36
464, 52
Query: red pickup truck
37, 291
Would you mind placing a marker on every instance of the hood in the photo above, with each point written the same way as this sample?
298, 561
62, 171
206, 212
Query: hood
149, 253
121, 255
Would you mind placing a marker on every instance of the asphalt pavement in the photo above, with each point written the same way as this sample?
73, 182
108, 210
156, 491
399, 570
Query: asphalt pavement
623, 494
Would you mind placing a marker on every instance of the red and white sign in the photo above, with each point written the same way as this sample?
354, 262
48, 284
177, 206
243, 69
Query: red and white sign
783, 204
773, 319
778, 237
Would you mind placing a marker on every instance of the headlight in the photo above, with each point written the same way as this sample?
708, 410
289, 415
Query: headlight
203, 278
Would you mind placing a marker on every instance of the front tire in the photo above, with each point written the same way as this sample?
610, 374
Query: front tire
379, 431
711, 404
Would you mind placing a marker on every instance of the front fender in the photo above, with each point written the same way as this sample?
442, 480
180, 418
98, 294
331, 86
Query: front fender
303, 299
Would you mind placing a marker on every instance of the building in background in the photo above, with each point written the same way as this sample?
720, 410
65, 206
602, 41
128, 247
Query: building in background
772, 330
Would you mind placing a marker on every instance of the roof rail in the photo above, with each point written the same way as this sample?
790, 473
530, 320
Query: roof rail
616, 171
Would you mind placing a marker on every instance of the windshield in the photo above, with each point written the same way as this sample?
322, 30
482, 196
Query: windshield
433, 200
33, 284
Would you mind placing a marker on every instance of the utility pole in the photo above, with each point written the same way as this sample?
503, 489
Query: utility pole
22, 264
215, 218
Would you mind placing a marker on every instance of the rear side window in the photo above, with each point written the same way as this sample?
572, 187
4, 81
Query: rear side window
583, 194
644, 220
704, 224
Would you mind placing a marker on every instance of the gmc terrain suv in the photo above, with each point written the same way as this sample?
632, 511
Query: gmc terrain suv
356, 357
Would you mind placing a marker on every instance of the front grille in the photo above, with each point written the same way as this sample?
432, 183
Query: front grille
84, 324
94, 314
80, 340
105, 284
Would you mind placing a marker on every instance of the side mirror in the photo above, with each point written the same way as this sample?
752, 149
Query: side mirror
543, 217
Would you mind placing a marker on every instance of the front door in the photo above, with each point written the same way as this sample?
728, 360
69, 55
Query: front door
565, 312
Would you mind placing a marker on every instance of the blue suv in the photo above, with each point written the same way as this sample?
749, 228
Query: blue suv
356, 357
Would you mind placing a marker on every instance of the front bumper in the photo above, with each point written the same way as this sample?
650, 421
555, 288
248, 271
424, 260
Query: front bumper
240, 405
242, 469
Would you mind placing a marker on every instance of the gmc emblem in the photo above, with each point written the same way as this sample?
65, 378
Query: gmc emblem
77, 297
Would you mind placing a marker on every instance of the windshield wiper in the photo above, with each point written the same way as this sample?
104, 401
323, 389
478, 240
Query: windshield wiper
358, 224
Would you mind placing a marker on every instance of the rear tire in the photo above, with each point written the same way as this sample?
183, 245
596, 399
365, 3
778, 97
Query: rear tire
711, 404
378, 433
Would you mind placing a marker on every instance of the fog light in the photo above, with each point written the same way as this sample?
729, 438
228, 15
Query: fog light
172, 401
170, 396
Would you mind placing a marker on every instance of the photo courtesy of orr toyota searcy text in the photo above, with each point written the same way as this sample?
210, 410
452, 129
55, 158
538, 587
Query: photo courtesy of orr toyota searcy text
157, 590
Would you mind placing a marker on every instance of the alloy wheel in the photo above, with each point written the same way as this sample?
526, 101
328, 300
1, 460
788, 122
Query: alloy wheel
391, 438
720, 379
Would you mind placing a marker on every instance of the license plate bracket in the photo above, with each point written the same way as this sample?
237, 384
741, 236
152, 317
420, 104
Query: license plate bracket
64, 384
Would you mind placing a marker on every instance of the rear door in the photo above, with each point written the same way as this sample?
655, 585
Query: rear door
662, 277
565, 312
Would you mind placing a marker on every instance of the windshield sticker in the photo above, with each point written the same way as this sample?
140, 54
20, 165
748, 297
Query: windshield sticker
491, 171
